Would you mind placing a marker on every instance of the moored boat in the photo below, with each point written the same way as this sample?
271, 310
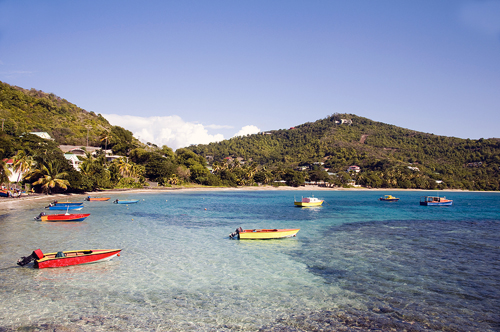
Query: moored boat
67, 258
97, 198
389, 198
4, 193
125, 202
66, 203
308, 201
62, 217
435, 201
64, 207
263, 234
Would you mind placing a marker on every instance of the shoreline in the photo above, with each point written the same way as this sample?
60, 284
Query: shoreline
30, 197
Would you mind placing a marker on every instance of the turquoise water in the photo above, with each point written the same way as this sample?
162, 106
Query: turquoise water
356, 264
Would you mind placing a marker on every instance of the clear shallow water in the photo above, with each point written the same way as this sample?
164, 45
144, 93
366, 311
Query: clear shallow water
356, 263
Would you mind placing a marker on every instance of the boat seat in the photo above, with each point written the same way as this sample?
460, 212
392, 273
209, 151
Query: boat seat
60, 254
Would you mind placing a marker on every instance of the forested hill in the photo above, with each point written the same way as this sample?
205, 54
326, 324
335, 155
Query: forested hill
388, 155
24, 111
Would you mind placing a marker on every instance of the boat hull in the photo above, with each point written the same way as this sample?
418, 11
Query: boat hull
435, 201
306, 204
266, 234
65, 217
76, 257
389, 199
98, 199
125, 202
67, 207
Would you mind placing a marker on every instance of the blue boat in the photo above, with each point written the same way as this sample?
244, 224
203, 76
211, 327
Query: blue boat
125, 202
66, 203
435, 201
64, 207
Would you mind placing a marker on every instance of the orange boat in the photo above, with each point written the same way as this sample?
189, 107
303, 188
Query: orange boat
97, 198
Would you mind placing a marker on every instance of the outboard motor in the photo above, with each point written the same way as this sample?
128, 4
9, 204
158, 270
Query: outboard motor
115, 201
39, 216
235, 233
87, 198
37, 254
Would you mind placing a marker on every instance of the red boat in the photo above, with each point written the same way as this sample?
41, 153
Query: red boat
62, 217
67, 258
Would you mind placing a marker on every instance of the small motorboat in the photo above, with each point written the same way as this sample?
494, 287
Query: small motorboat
67, 258
62, 217
388, 198
308, 201
64, 207
98, 199
435, 201
4, 193
125, 202
66, 203
263, 234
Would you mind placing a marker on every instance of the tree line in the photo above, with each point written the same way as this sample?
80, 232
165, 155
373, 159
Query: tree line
318, 152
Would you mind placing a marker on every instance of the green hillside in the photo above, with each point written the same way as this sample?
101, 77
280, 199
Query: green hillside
25, 111
320, 151
389, 156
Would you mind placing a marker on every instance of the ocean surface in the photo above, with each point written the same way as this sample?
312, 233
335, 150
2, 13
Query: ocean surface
357, 264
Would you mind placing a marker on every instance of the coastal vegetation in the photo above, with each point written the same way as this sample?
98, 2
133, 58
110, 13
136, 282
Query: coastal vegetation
388, 156
320, 152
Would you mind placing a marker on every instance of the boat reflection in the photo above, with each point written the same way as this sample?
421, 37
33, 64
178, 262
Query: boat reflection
287, 243
88, 271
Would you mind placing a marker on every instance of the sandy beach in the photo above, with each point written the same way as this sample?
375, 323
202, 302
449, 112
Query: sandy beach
11, 200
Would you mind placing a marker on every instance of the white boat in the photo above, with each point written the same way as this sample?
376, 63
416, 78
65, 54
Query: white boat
309, 201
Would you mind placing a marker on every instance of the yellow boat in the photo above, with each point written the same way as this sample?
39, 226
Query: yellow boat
263, 234
309, 201
389, 198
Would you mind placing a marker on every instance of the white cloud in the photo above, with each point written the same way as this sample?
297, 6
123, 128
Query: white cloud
164, 130
247, 130
214, 126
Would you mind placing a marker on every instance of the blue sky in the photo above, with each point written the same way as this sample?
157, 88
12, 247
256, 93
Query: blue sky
188, 72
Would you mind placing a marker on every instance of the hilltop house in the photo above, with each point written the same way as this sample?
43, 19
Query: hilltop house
73, 159
42, 134
344, 121
354, 168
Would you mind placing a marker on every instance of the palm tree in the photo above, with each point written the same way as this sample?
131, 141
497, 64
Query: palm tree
4, 172
49, 177
124, 167
137, 170
23, 163
87, 165
250, 172
174, 180
105, 136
